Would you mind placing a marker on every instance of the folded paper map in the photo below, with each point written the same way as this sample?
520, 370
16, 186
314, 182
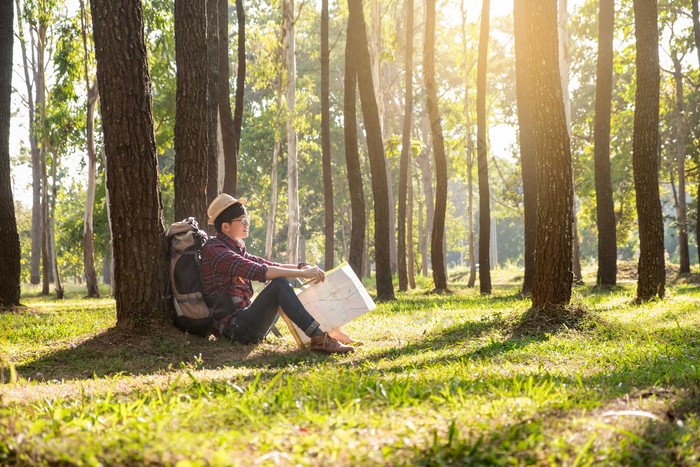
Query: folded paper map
337, 300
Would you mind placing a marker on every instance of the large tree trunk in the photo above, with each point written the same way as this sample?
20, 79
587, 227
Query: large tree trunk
293, 228
191, 114
528, 160
645, 146
35, 262
380, 190
212, 101
469, 153
228, 136
553, 279
329, 230
696, 35
10, 252
135, 204
605, 207
404, 167
352, 161
681, 207
93, 290
482, 159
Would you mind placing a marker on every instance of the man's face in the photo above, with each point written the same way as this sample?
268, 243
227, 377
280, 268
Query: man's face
238, 228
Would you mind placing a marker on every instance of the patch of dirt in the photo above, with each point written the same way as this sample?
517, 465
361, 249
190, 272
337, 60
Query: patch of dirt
627, 271
551, 319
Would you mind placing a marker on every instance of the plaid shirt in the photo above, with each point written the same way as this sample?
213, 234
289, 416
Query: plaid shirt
228, 269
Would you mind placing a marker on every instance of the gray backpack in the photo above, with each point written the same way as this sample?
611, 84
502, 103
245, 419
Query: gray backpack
185, 242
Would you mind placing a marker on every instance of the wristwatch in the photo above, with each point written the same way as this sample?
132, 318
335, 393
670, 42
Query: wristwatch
302, 264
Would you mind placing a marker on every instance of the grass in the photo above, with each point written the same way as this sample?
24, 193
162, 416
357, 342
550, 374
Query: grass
442, 380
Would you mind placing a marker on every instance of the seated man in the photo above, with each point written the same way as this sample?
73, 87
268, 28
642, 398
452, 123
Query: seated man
227, 271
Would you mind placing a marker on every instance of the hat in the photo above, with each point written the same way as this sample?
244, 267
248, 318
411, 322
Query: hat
220, 203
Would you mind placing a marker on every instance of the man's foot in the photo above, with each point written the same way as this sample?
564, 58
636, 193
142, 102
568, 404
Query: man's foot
343, 338
325, 343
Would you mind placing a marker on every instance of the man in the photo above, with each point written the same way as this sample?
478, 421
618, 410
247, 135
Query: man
227, 272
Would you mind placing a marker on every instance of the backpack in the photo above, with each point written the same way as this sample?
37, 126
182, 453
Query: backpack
185, 242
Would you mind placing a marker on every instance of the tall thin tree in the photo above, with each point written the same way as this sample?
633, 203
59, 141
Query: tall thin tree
553, 275
10, 252
651, 280
212, 100
136, 208
240, 87
357, 37
293, 226
405, 163
329, 230
228, 133
482, 159
605, 208
681, 207
191, 118
526, 137
696, 36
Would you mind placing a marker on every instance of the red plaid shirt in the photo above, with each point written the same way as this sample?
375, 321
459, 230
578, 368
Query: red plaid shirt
228, 269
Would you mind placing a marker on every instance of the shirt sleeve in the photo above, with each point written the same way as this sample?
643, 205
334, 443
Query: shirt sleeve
230, 264
260, 260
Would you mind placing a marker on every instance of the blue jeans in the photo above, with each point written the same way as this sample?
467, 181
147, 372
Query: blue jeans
253, 322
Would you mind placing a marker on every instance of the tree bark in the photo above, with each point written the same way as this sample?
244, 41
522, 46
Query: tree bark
482, 159
225, 116
93, 290
191, 113
10, 253
645, 146
240, 85
427, 182
212, 101
405, 150
293, 227
360, 51
553, 261
681, 207
136, 209
329, 230
53, 251
409, 233
272, 213
605, 207
41, 88
35, 262
352, 161
696, 36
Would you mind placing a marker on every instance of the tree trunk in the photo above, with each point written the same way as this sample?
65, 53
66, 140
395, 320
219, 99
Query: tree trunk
293, 227
405, 150
135, 202
10, 253
93, 290
680, 161
240, 86
553, 278
352, 161
228, 136
482, 159
645, 146
212, 101
41, 78
427, 182
53, 251
696, 35
35, 262
270, 231
191, 114
409, 233
469, 153
329, 230
605, 207
375, 146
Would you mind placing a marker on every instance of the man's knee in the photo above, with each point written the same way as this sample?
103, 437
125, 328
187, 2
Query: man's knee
280, 282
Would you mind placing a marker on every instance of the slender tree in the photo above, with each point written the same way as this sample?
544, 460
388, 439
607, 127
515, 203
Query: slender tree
212, 100
553, 261
696, 36
526, 134
405, 150
352, 160
326, 140
293, 227
681, 207
409, 233
357, 37
651, 280
136, 209
10, 253
605, 208
482, 159
437, 251
426, 177
240, 85
191, 118
228, 134
88, 241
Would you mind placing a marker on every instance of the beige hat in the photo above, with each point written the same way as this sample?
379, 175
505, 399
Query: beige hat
220, 203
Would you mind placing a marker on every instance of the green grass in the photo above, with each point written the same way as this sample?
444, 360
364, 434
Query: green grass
442, 380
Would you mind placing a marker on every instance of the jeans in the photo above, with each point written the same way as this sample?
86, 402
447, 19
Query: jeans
253, 322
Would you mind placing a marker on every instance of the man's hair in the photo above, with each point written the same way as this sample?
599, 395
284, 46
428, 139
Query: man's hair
229, 214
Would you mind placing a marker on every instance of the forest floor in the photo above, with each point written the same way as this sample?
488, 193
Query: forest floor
441, 380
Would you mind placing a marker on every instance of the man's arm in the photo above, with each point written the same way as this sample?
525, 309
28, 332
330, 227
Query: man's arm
292, 272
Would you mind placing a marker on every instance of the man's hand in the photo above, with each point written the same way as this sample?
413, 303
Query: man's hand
313, 272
